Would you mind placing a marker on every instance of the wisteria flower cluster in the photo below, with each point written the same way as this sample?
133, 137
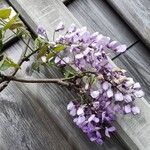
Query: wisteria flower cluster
109, 91
103, 90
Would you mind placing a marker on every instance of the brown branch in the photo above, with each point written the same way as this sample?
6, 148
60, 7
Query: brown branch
60, 81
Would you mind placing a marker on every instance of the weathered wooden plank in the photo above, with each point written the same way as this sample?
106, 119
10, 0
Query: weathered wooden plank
25, 125
98, 16
137, 14
54, 99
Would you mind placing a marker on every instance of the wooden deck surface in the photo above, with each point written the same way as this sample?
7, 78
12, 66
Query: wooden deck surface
137, 14
34, 117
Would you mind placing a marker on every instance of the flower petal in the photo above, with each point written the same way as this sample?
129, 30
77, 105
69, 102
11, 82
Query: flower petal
80, 111
135, 110
121, 48
60, 27
118, 97
127, 109
70, 106
95, 94
109, 93
139, 93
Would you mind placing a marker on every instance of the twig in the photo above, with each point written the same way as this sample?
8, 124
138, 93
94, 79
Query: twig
60, 81
21, 60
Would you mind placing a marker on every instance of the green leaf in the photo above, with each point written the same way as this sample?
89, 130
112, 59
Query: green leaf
7, 63
59, 48
22, 31
69, 73
50, 55
39, 43
51, 63
16, 25
36, 66
42, 51
56, 50
10, 22
5, 13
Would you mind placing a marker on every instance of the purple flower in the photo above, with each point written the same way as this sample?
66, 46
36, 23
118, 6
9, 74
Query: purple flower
105, 85
112, 45
121, 48
139, 93
127, 109
137, 86
60, 27
95, 94
80, 111
109, 90
109, 130
119, 97
41, 30
72, 28
128, 98
135, 110
80, 120
70, 106
93, 118
110, 93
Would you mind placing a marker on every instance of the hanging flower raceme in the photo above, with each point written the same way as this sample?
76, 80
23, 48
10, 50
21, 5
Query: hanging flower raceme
107, 90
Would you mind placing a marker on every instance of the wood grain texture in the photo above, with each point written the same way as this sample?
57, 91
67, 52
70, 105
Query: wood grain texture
137, 14
98, 16
54, 99
24, 125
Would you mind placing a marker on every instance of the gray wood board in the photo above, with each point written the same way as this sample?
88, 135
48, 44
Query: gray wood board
97, 15
55, 99
137, 14
137, 62
25, 125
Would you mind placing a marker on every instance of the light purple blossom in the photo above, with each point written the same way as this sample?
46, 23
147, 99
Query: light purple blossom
109, 130
127, 109
109, 91
135, 110
72, 28
105, 85
118, 96
121, 48
41, 31
95, 94
139, 93
60, 27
